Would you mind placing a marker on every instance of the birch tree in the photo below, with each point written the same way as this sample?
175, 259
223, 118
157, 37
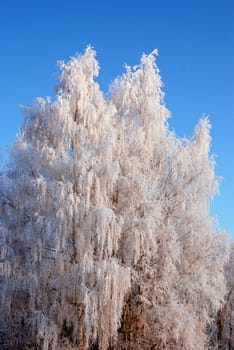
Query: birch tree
106, 236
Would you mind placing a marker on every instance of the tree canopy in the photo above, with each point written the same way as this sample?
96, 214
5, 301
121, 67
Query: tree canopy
106, 235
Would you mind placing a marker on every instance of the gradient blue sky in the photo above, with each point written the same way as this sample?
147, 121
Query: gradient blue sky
196, 57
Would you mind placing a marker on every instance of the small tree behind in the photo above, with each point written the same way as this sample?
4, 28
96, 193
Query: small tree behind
105, 226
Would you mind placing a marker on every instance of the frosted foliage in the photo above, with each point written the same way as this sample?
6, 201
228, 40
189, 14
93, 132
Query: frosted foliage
106, 237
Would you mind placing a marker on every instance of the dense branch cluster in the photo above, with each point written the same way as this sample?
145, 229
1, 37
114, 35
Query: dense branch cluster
106, 236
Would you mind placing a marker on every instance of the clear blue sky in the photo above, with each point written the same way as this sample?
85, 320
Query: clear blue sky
196, 58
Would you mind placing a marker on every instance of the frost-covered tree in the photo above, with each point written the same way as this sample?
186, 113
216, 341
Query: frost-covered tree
106, 236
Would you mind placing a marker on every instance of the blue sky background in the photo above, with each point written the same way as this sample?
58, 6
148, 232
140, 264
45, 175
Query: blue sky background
196, 56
